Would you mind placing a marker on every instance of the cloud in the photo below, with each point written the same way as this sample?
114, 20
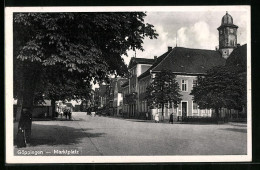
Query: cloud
197, 36
154, 47
193, 29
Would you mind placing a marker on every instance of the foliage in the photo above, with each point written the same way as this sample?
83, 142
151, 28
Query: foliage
82, 47
163, 89
221, 87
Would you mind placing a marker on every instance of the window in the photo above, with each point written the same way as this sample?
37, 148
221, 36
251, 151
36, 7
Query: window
184, 85
195, 108
194, 83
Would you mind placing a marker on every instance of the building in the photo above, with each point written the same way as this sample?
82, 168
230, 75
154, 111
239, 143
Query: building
130, 90
108, 97
187, 64
118, 97
103, 96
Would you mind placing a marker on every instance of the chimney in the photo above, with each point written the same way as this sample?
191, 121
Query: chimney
169, 48
155, 57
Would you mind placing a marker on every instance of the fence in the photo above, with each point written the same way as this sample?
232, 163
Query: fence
198, 119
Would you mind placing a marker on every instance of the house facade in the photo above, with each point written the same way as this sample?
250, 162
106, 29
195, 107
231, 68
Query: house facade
187, 64
117, 95
130, 89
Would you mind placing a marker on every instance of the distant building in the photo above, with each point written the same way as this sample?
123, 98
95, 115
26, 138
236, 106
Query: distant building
118, 97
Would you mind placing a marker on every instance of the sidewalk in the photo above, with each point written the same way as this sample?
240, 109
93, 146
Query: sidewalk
51, 136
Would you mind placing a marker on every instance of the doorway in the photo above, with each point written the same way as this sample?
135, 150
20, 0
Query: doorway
184, 108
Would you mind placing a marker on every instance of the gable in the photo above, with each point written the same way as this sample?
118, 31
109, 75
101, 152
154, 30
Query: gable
134, 61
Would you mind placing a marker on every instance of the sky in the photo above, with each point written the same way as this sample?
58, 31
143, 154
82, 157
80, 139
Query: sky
193, 29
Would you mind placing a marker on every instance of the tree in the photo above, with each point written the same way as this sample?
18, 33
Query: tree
56, 85
87, 46
163, 89
221, 87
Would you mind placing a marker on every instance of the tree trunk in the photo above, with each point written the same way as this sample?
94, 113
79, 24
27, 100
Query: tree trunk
53, 108
28, 93
31, 76
18, 87
217, 112
162, 111
18, 109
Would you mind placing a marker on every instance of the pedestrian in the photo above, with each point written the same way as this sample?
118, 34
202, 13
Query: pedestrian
69, 113
171, 118
156, 118
24, 128
146, 115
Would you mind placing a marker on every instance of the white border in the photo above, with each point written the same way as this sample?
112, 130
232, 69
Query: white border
10, 158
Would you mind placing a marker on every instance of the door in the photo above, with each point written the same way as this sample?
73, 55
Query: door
184, 108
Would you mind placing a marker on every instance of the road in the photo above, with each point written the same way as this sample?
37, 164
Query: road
116, 136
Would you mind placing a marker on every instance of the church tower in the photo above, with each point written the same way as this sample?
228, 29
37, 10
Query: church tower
227, 36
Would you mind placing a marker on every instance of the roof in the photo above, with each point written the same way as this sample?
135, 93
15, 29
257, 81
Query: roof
44, 103
125, 84
156, 62
238, 57
135, 61
187, 60
192, 61
227, 20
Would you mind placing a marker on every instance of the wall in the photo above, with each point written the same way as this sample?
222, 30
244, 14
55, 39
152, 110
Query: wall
186, 97
145, 67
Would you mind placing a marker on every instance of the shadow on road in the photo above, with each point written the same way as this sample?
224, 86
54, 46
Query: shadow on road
235, 130
57, 135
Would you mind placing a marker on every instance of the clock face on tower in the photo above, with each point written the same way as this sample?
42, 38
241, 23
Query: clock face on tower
231, 30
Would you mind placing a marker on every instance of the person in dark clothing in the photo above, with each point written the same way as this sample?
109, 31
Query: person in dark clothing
24, 128
65, 112
69, 114
171, 118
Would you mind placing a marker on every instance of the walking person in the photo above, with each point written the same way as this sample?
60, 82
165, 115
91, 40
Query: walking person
146, 115
171, 118
69, 113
